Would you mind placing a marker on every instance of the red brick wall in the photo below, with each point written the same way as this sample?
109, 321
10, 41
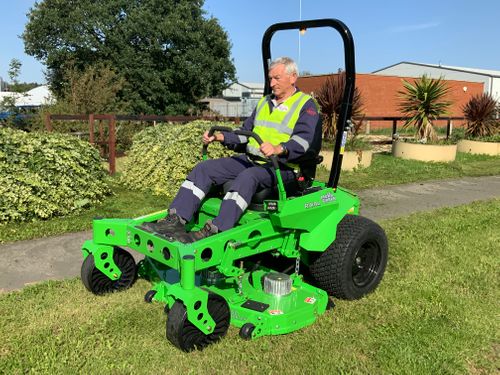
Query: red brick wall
379, 93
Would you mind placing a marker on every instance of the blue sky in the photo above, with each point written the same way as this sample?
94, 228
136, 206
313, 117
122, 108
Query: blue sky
461, 33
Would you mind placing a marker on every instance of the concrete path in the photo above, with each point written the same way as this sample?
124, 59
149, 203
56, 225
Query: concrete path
59, 257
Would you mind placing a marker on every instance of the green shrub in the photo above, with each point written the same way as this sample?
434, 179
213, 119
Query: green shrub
44, 175
162, 156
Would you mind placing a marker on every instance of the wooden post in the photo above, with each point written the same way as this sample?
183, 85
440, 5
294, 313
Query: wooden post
111, 146
48, 124
394, 128
367, 127
448, 128
91, 128
101, 138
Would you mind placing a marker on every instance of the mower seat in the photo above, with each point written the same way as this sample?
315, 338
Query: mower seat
298, 186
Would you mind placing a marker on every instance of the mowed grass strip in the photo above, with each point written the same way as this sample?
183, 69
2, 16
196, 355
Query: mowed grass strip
435, 312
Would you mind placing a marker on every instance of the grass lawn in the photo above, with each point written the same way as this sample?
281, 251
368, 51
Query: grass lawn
435, 312
388, 170
385, 170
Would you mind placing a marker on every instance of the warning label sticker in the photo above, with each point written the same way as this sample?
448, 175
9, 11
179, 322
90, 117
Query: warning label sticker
310, 300
275, 312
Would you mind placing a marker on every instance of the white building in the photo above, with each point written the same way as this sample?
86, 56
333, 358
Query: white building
238, 100
33, 98
490, 78
244, 90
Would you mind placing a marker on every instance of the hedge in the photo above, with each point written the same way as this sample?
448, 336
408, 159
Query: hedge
162, 156
43, 175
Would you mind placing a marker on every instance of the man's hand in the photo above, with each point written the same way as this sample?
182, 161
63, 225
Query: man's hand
269, 150
216, 137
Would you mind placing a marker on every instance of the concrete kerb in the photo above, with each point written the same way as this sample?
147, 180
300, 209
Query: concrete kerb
59, 257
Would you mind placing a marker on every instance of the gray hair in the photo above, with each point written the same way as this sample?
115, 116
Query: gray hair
290, 65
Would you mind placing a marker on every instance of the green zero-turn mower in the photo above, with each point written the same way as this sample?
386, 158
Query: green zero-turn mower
253, 275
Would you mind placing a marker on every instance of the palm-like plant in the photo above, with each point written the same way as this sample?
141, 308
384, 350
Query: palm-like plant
480, 113
329, 97
422, 102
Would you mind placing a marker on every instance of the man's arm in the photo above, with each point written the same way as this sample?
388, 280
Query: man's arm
231, 140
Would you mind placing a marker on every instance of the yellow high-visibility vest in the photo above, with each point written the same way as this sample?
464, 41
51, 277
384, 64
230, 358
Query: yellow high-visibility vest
277, 126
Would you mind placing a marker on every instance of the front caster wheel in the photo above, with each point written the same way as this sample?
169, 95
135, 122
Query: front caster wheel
148, 297
98, 283
184, 335
246, 331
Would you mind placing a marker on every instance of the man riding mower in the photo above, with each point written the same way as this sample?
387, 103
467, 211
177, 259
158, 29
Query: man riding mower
221, 257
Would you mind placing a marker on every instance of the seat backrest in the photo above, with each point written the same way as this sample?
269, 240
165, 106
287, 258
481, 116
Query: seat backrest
309, 161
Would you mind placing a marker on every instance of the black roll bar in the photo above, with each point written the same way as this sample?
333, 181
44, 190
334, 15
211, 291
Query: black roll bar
346, 108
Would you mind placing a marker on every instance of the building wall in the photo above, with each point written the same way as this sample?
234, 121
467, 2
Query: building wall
380, 93
495, 88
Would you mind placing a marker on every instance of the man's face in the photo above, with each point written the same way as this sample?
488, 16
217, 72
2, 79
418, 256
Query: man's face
282, 83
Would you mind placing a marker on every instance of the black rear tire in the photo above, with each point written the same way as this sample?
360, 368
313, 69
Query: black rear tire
354, 264
98, 283
185, 336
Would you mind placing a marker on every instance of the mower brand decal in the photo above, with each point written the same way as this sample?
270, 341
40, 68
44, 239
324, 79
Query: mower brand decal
311, 204
328, 197
344, 139
275, 312
310, 300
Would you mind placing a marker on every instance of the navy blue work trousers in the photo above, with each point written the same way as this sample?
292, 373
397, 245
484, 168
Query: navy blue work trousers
248, 178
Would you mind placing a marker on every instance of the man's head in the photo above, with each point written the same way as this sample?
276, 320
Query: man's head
283, 73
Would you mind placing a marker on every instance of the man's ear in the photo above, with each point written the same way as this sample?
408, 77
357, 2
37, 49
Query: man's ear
293, 78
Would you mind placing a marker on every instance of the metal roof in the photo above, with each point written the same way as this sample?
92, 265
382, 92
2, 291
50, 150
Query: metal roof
485, 72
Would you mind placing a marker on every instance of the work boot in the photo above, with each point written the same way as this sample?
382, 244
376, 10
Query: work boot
171, 225
208, 230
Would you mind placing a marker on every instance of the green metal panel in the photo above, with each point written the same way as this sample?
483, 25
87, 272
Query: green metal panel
279, 315
305, 223
103, 258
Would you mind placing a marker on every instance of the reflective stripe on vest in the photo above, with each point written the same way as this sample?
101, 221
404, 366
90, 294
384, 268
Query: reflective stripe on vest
277, 126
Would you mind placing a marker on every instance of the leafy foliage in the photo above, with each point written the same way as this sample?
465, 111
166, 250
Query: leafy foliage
22, 86
167, 51
480, 113
8, 103
330, 98
46, 175
162, 156
93, 90
422, 102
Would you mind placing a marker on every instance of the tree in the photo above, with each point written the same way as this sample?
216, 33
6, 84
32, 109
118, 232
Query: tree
8, 103
22, 86
95, 90
166, 50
